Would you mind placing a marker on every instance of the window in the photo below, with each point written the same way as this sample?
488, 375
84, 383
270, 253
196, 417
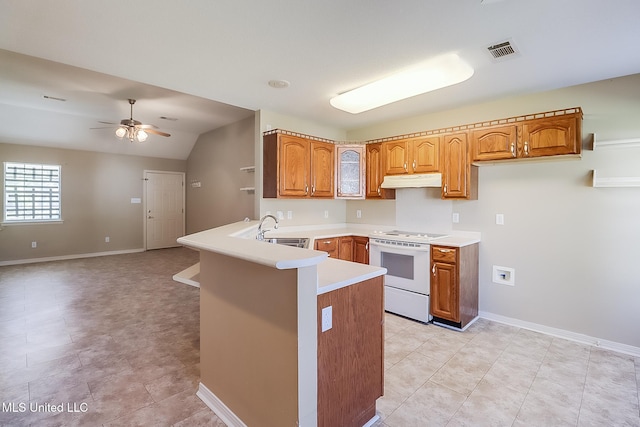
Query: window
31, 192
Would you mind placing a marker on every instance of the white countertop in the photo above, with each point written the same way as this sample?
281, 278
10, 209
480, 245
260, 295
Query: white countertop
238, 240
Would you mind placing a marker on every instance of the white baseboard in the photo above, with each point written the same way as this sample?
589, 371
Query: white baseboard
66, 257
562, 333
216, 405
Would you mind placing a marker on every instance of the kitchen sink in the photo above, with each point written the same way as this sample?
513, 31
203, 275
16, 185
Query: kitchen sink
298, 242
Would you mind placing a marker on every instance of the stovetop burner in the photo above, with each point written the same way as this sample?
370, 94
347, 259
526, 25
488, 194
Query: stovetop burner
409, 235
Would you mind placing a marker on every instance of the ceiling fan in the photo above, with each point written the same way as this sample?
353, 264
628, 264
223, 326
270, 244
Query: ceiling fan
134, 130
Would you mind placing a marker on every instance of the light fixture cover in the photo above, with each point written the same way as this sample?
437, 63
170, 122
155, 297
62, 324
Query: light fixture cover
441, 71
121, 132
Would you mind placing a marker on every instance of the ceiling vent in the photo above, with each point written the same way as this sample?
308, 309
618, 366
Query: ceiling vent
503, 50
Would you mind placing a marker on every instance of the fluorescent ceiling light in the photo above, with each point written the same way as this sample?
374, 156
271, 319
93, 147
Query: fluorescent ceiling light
439, 72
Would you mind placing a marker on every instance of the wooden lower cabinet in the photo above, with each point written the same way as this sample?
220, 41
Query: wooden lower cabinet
347, 248
350, 355
361, 249
454, 284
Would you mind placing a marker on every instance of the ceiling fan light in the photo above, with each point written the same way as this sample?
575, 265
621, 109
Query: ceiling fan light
436, 73
141, 136
121, 132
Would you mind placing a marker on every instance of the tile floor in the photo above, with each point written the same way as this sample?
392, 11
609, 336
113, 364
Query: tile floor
116, 337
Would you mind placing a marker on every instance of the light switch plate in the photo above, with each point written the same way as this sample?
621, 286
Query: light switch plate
500, 219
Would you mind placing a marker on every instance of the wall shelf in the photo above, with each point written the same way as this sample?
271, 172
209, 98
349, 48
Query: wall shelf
620, 181
248, 169
615, 143
249, 189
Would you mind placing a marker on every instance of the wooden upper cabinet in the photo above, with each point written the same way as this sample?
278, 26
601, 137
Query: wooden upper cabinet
322, 167
295, 167
425, 155
456, 179
494, 143
350, 171
412, 155
551, 136
375, 174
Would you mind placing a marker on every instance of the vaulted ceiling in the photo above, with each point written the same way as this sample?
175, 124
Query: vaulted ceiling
208, 63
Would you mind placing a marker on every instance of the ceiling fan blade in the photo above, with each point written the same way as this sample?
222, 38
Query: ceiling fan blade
104, 127
156, 132
107, 123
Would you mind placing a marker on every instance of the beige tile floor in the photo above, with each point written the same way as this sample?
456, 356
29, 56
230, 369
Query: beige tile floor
115, 336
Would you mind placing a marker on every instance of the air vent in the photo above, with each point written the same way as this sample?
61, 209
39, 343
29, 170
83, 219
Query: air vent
503, 50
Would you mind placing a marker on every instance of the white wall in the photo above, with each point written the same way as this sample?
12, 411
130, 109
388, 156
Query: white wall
575, 248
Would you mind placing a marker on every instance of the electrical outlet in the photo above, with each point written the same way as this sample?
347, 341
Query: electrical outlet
327, 318
358, 213
289, 214
280, 215
34, 244
500, 219
326, 214
455, 218
106, 239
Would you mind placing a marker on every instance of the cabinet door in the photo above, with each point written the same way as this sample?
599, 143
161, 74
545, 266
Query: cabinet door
375, 174
425, 155
456, 167
322, 166
395, 156
293, 166
494, 143
361, 249
329, 245
550, 136
350, 171
345, 249
444, 299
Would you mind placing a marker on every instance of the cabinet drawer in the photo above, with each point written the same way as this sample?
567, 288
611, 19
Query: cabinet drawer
328, 245
444, 254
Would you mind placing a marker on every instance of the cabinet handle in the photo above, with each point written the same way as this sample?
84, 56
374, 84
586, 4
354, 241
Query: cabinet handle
414, 165
405, 165
306, 189
433, 269
445, 189
513, 149
327, 242
313, 189
378, 190
366, 247
526, 148
446, 251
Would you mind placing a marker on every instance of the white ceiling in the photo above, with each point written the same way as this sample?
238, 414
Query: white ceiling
207, 63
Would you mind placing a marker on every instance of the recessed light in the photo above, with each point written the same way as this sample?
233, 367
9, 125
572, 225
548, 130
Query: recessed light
441, 71
279, 84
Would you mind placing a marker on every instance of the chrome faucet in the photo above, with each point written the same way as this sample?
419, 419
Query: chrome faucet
261, 232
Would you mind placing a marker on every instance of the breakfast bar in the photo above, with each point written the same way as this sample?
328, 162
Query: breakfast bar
280, 328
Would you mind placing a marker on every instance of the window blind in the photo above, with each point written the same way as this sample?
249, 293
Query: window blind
31, 192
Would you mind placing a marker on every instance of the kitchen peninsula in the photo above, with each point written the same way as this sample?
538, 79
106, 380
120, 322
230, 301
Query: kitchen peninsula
280, 328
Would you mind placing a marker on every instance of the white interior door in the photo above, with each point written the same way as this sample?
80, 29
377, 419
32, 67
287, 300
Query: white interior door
164, 208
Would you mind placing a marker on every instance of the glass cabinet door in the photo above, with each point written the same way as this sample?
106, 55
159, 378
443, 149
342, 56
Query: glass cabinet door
350, 176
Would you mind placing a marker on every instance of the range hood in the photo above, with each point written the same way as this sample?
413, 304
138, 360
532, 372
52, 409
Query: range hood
416, 180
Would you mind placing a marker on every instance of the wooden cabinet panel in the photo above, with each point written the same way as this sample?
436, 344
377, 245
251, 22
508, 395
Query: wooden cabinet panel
345, 248
350, 355
459, 181
444, 292
322, 166
395, 155
551, 137
425, 154
361, 249
375, 174
494, 143
293, 166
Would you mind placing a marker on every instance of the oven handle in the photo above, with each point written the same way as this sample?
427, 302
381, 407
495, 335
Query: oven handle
403, 248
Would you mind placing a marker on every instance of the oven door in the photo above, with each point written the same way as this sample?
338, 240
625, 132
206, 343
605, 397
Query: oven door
407, 268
